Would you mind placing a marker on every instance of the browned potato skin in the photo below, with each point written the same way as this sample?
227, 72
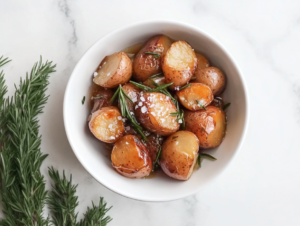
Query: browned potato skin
107, 115
212, 77
202, 61
179, 155
130, 157
158, 80
181, 76
121, 76
163, 123
106, 95
196, 91
209, 126
145, 65
132, 91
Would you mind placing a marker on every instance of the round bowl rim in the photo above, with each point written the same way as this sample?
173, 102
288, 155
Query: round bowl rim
196, 29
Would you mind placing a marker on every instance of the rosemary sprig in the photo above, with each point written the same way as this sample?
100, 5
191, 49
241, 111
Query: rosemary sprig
122, 96
155, 163
185, 86
22, 187
201, 105
204, 155
157, 75
226, 106
62, 203
155, 55
180, 117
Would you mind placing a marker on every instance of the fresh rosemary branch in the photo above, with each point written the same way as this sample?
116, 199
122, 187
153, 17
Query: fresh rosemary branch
122, 96
95, 216
22, 190
155, 55
62, 203
62, 200
204, 155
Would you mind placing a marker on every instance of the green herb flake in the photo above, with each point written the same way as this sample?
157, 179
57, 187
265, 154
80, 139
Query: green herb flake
83, 100
185, 86
201, 105
226, 106
155, 55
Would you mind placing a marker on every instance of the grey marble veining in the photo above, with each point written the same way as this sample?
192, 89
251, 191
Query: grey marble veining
261, 186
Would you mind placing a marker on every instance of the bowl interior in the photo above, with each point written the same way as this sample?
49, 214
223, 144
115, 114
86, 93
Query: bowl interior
90, 152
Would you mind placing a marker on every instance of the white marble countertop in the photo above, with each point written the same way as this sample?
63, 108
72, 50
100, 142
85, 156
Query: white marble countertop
262, 185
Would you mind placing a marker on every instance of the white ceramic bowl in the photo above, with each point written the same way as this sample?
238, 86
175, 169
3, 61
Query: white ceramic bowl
90, 153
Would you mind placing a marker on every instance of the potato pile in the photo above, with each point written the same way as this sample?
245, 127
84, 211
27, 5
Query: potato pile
158, 107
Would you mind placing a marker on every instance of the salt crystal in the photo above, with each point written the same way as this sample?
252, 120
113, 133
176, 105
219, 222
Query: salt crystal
124, 119
180, 121
95, 74
134, 99
136, 107
127, 128
112, 138
119, 117
104, 63
140, 103
108, 74
126, 142
152, 113
162, 119
142, 99
144, 109
131, 113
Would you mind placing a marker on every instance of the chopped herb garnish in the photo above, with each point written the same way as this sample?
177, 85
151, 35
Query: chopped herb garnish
185, 86
174, 113
122, 96
226, 106
83, 100
157, 75
204, 155
201, 105
155, 55
97, 97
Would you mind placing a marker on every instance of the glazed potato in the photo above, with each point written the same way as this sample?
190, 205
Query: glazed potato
114, 69
132, 91
130, 157
202, 61
179, 64
158, 80
179, 155
212, 77
107, 125
209, 126
145, 65
153, 112
195, 97
100, 98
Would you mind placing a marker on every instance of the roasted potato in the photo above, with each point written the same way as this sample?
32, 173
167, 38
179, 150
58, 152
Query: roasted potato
130, 157
107, 125
145, 65
209, 125
212, 77
179, 64
153, 112
132, 91
114, 69
151, 81
179, 155
202, 61
195, 97
100, 98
